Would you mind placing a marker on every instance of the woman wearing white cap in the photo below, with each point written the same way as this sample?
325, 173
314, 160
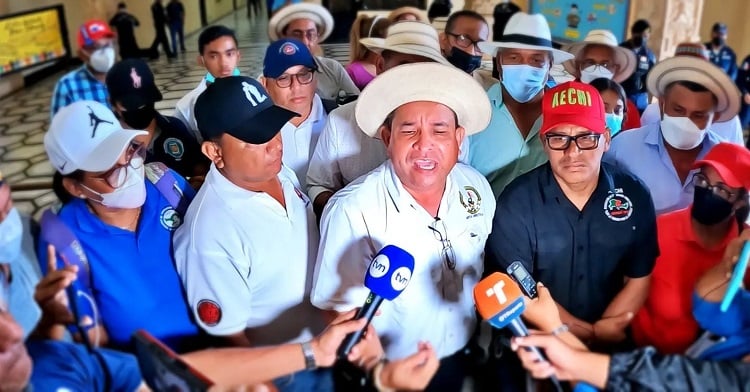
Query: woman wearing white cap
124, 226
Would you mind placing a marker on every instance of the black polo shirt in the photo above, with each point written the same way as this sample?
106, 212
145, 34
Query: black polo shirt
581, 256
176, 147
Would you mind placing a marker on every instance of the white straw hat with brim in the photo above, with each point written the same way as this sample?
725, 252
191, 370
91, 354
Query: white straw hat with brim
418, 13
624, 57
525, 31
702, 72
86, 135
409, 37
419, 82
315, 12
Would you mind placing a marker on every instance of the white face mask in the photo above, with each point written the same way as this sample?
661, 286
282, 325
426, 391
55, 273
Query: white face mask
11, 231
590, 73
103, 59
132, 194
682, 133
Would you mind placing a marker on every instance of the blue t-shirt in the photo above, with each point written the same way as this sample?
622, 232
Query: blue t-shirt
134, 280
733, 325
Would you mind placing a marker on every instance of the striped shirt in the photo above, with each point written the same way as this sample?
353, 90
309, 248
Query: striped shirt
78, 85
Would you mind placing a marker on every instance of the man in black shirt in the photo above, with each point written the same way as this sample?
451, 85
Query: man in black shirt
176, 17
125, 23
635, 85
133, 94
160, 24
502, 13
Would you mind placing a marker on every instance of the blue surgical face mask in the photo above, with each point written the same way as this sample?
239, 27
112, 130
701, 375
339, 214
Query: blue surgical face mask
614, 123
523, 82
210, 78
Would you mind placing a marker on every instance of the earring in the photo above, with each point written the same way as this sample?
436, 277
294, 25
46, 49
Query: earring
81, 196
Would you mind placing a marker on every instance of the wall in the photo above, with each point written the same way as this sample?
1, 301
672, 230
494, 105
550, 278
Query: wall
735, 14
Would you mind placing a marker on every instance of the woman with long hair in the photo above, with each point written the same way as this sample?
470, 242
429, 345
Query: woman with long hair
361, 66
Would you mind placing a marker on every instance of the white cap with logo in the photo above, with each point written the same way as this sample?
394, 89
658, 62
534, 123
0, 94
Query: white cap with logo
86, 135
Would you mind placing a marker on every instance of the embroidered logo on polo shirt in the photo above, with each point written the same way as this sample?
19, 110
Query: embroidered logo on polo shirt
472, 201
174, 148
618, 207
170, 219
209, 312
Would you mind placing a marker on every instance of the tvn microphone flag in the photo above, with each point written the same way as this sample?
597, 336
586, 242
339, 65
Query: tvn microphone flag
388, 275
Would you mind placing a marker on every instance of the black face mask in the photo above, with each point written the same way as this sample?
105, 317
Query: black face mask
637, 41
717, 41
139, 118
709, 209
464, 61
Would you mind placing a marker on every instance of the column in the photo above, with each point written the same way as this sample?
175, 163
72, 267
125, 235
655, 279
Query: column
672, 22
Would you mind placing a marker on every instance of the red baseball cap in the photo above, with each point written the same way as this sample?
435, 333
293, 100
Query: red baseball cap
92, 31
731, 161
573, 103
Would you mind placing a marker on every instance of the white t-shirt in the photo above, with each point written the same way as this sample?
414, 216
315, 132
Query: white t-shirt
246, 262
730, 131
376, 211
185, 109
343, 153
299, 142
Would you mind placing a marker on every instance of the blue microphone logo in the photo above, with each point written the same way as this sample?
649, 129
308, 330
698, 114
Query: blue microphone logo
390, 272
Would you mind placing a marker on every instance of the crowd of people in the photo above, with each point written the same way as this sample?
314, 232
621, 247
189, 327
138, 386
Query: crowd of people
239, 229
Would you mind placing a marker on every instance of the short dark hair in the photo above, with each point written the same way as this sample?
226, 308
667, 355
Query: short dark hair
692, 86
640, 26
121, 5
286, 26
605, 84
463, 14
59, 189
212, 33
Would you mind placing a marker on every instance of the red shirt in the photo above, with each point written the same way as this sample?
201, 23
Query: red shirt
666, 319
633, 119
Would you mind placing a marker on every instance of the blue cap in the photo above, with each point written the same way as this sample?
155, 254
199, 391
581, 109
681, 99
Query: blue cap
284, 54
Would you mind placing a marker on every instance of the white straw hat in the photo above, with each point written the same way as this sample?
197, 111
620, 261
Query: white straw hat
315, 12
408, 37
624, 57
525, 31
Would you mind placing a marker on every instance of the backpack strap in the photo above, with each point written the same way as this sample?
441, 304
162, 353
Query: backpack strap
160, 175
329, 105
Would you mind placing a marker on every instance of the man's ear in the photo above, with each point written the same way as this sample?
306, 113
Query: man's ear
379, 65
212, 151
460, 134
73, 187
607, 139
385, 135
444, 44
263, 82
199, 60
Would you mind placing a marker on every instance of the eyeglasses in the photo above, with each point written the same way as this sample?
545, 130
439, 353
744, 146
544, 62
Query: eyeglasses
118, 175
588, 141
464, 41
441, 234
719, 189
311, 35
303, 78
604, 64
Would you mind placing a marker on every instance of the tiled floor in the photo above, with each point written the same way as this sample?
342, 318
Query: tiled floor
24, 116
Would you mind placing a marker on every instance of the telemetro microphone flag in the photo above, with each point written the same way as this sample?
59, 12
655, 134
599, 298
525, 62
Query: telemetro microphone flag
388, 275
499, 300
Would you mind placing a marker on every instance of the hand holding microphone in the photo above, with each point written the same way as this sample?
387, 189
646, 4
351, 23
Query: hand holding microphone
388, 275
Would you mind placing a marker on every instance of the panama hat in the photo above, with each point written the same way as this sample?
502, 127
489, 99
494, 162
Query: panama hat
315, 12
408, 37
398, 12
702, 72
624, 57
525, 31
430, 82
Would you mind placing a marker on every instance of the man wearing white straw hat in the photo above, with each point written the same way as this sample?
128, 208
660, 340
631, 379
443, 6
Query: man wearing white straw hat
599, 56
344, 152
312, 24
693, 94
510, 146
421, 200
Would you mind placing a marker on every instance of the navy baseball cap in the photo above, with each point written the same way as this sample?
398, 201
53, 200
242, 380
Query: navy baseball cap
720, 28
284, 54
239, 106
131, 83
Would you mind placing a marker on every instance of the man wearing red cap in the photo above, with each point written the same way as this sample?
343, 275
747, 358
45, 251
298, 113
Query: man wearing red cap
96, 50
584, 228
692, 240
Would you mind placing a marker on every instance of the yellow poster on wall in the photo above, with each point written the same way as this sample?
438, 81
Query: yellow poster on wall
29, 39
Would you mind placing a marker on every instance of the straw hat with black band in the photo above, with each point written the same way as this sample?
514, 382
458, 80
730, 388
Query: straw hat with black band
408, 37
315, 12
624, 57
525, 31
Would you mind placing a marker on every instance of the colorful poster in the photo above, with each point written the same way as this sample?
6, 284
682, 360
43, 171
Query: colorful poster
29, 39
571, 20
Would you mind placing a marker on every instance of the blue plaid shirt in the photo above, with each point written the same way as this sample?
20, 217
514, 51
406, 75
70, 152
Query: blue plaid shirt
78, 85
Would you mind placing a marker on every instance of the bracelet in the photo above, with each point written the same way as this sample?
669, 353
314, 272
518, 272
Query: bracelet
560, 330
376, 377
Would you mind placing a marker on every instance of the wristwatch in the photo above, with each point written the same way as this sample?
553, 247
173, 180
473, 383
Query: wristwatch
307, 351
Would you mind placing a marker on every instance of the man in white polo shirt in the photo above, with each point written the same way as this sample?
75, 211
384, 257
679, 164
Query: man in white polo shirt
344, 152
290, 75
245, 253
421, 200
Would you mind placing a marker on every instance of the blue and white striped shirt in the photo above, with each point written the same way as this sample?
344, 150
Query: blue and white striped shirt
78, 85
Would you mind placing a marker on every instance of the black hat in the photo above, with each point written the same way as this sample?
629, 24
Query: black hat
131, 83
720, 28
239, 106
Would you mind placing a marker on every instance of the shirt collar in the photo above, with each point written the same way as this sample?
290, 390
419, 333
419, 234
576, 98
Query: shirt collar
550, 188
89, 222
495, 93
225, 188
686, 233
404, 201
317, 114
654, 138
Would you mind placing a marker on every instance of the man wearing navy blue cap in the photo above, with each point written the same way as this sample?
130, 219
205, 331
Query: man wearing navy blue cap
247, 249
718, 51
290, 77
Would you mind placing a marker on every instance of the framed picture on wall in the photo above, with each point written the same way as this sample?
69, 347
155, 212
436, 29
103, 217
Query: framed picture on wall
571, 20
31, 38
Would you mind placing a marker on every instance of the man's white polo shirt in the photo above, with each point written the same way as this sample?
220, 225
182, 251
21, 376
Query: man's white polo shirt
246, 262
376, 211
185, 109
343, 154
299, 142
